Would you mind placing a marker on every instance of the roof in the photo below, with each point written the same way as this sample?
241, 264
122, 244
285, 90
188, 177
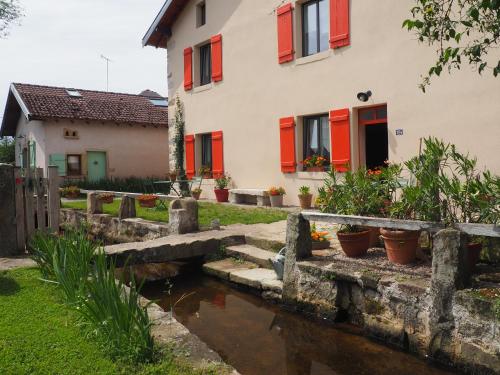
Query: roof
45, 102
161, 29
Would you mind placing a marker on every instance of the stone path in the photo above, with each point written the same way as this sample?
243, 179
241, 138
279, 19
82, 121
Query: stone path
17, 262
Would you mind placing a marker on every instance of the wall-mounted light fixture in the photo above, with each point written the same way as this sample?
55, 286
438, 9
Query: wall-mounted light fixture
364, 96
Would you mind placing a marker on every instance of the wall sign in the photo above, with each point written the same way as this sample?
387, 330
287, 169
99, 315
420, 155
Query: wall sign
399, 131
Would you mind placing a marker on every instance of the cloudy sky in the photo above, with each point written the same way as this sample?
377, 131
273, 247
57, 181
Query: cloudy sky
59, 43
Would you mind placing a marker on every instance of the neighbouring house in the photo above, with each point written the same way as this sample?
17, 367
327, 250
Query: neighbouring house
267, 83
88, 134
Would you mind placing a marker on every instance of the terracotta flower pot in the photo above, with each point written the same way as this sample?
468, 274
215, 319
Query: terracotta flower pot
196, 195
374, 236
305, 201
473, 253
147, 203
107, 200
320, 245
222, 195
276, 200
354, 244
315, 169
401, 245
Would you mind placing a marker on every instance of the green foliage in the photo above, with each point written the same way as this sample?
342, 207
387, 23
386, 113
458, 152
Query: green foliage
112, 314
10, 11
128, 184
207, 212
222, 182
304, 190
179, 146
7, 147
462, 29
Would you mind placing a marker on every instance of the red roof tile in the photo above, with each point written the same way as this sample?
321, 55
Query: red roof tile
45, 102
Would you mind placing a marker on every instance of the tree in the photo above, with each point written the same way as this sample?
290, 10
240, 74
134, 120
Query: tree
463, 30
7, 150
10, 11
179, 145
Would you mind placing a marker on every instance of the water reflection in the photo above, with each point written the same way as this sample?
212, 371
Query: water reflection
258, 338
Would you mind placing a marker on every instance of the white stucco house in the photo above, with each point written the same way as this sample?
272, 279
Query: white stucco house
88, 134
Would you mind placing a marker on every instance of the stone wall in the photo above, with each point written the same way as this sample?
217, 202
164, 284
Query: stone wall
113, 230
431, 314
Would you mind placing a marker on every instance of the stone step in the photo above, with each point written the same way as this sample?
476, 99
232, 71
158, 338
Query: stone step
252, 254
223, 268
272, 245
258, 278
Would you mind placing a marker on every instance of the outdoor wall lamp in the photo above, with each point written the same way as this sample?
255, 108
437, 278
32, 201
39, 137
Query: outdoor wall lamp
364, 96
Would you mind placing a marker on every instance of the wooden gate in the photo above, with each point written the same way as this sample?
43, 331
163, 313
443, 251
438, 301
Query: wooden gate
30, 202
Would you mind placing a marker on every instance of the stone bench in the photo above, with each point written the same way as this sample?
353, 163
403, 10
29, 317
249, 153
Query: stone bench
252, 196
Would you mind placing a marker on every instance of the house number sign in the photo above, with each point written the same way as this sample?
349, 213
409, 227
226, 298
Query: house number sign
399, 132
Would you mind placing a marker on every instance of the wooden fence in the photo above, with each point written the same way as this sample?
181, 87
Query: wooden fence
30, 202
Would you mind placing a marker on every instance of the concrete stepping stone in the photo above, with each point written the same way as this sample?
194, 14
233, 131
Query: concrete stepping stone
223, 268
252, 254
254, 278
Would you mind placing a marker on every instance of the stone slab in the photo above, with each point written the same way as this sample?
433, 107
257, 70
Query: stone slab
273, 285
255, 192
12, 263
252, 278
252, 254
223, 268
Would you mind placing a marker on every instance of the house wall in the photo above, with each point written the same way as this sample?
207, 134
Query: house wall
256, 91
132, 150
30, 131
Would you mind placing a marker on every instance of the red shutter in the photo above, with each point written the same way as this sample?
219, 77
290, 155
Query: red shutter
285, 33
217, 154
188, 69
340, 131
216, 58
339, 23
287, 143
189, 148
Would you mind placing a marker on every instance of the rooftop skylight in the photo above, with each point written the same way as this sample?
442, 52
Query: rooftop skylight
74, 93
159, 102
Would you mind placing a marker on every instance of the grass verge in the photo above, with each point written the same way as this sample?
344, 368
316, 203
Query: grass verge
207, 212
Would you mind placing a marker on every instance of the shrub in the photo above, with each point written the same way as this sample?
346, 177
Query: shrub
128, 185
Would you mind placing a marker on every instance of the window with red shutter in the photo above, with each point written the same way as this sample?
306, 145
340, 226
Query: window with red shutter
190, 160
339, 23
287, 145
217, 154
285, 33
188, 69
340, 130
216, 42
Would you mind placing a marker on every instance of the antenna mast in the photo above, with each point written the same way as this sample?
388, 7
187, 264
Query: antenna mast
108, 60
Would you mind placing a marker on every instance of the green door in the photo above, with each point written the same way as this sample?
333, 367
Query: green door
96, 165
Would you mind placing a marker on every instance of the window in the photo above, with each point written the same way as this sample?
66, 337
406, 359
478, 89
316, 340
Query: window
74, 165
74, 93
159, 102
316, 136
70, 134
315, 27
205, 65
206, 150
201, 14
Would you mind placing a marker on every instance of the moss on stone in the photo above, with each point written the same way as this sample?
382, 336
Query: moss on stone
373, 307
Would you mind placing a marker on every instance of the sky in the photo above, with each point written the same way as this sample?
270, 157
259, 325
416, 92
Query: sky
59, 43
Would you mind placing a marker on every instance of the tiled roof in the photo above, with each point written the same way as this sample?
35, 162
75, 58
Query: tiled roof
45, 102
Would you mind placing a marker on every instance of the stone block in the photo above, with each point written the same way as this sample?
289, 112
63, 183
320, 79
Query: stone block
94, 205
127, 208
183, 216
8, 231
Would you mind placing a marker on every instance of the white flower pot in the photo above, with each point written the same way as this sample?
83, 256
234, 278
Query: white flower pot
276, 200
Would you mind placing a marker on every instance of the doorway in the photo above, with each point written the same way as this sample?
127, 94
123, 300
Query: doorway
96, 165
374, 137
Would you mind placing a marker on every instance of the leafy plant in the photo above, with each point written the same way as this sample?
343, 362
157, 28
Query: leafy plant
10, 11
7, 147
315, 161
147, 197
179, 145
304, 190
69, 191
222, 182
205, 170
461, 29
276, 191
129, 184
319, 236
197, 190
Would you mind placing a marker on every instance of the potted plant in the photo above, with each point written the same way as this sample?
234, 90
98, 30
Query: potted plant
172, 176
147, 200
70, 192
305, 197
276, 196
196, 192
205, 171
320, 239
221, 191
106, 198
315, 163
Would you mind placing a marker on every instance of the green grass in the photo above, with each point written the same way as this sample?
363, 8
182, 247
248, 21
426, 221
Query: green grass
207, 212
40, 335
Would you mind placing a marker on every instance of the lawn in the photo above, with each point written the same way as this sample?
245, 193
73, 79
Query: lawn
40, 335
207, 212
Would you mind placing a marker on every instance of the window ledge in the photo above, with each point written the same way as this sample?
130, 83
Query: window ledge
311, 175
312, 58
206, 87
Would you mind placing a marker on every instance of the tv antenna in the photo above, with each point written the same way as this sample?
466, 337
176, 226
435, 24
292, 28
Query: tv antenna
108, 60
